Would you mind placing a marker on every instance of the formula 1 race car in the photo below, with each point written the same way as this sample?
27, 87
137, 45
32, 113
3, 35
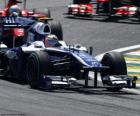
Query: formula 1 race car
23, 12
44, 66
81, 8
12, 9
118, 8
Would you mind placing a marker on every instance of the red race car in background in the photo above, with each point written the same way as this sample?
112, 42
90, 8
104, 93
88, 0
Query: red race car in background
24, 12
12, 8
81, 8
128, 8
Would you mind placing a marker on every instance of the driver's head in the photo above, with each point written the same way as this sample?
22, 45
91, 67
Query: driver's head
52, 41
14, 10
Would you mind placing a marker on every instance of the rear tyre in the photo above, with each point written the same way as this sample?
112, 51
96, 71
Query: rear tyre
56, 29
138, 14
38, 64
117, 65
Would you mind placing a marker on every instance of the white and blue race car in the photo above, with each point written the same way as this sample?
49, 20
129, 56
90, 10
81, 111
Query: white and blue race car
45, 67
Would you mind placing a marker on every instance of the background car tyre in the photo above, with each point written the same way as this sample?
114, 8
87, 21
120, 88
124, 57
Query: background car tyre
56, 29
138, 14
117, 65
38, 64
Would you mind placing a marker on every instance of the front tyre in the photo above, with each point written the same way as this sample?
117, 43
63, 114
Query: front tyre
117, 66
38, 64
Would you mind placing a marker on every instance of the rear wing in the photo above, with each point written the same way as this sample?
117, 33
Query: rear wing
15, 22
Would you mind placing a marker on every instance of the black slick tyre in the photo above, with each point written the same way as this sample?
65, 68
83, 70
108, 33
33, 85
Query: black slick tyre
138, 13
117, 66
38, 63
56, 29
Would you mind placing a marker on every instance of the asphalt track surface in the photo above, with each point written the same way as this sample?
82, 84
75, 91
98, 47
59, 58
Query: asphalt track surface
18, 99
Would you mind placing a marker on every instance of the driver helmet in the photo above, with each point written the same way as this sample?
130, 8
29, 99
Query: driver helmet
14, 10
52, 41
